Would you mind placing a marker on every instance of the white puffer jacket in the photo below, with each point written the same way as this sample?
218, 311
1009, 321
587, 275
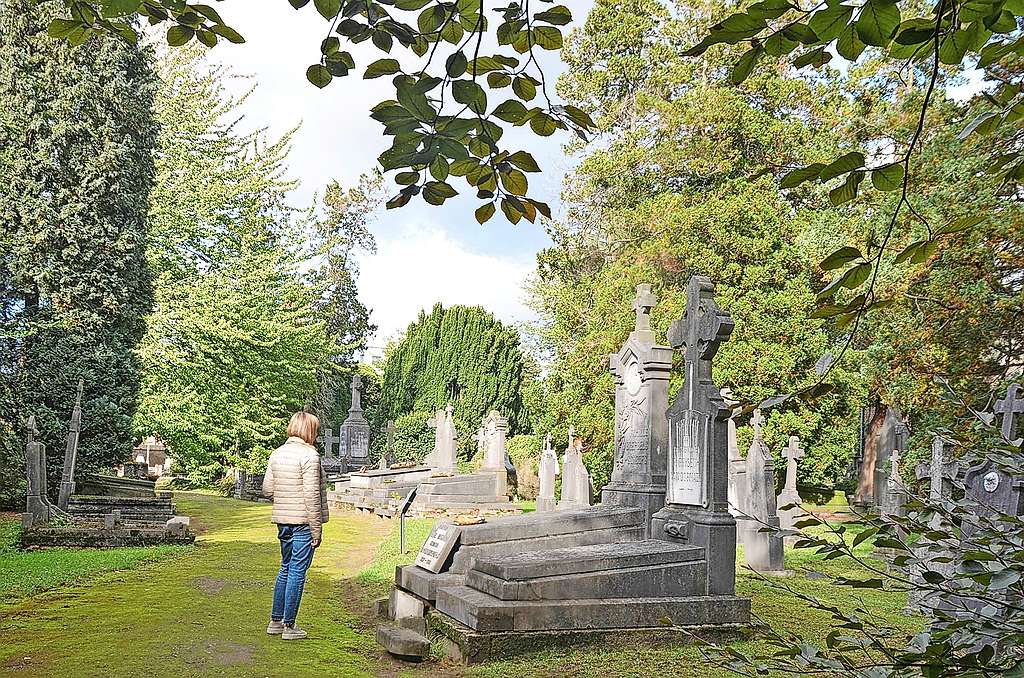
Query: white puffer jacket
296, 482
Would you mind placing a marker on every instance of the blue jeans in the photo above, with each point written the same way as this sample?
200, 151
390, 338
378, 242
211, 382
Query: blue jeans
296, 555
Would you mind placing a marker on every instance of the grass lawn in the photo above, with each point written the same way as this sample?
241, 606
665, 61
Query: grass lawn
199, 611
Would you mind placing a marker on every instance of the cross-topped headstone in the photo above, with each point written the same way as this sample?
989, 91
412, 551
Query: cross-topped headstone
756, 420
697, 494
792, 452
1010, 407
643, 302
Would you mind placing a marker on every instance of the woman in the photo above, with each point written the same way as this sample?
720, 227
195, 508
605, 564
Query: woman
296, 483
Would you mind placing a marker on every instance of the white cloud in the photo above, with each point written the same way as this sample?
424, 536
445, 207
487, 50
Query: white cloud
421, 265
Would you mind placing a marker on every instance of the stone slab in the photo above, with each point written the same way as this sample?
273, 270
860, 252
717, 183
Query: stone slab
438, 546
424, 583
582, 559
671, 579
403, 642
466, 556
439, 499
545, 525
483, 612
376, 478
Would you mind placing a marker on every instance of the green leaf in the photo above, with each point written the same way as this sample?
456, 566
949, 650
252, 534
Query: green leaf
924, 252
411, 5
511, 213
547, 37
510, 111
62, 28
381, 67
382, 40
864, 535
439, 168
328, 8
745, 64
801, 175
954, 46
470, 93
840, 258
846, 163
524, 161
877, 22
849, 45
909, 251
984, 124
498, 80
179, 35
959, 224
456, 64
319, 75
888, 178
817, 57
206, 37
543, 124
1003, 579
559, 15
399, 200
484, 213
514, 182
848, 190
778, 44
524, 88
828, 23
228, 33
117, 8
436, 192
857, 275
407, 178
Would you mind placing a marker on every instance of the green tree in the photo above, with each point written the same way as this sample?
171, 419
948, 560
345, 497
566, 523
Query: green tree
459, 355
76, 168
236, 341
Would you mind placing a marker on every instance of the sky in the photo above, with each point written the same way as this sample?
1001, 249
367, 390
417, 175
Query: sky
425, 254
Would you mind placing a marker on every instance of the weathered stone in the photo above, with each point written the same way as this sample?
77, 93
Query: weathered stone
548, 469
439, 544
608, 556
789, 494
575, 479
641, 372
137, 509
403, 642
37, 504
91, 485
883, 430
67, 481
1009, 407
404, 605
355, 430
697, 497
762, 551
738, 485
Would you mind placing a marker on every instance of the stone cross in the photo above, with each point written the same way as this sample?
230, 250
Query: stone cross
1010, 407
792, 452
357, 386
330, 440
701, 331
67, 481
391, 436
643, 302
756, 422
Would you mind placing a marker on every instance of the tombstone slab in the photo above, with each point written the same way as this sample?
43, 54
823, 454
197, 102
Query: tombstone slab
355, 431
762, 551
547, 471
789, 494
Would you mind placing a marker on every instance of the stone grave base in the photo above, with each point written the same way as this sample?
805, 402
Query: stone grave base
89, 535
112, 486
152, 509
472, 647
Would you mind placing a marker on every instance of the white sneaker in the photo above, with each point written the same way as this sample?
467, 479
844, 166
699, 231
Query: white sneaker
275, 628
293, 633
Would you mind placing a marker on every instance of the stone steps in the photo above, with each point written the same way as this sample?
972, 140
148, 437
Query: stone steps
485, 613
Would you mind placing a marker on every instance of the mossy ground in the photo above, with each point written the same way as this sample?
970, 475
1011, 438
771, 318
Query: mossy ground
200, 611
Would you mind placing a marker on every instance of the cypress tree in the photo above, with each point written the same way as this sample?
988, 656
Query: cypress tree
76, 169
462, 355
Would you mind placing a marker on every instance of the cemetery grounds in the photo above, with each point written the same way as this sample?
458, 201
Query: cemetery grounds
202, 610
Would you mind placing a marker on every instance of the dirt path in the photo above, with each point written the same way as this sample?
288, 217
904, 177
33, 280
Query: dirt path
204, 613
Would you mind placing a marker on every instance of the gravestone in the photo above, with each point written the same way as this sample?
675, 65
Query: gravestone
897, 496
495, 428
331, 458
762, 551
575, 479
67, 480
154, 453
1009, 407
641, 372
696, 508
738, 486
941, 475
438, 546
789, 495
355, 431
547, 472
38, 509
883, 429
443, 456
389, 453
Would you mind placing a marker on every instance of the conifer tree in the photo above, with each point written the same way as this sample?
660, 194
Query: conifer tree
76, 169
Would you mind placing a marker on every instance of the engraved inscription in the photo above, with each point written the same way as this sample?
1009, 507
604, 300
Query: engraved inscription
687, 461
437, 547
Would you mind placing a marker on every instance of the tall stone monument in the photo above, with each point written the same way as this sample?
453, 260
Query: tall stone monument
641, 371
789, 495
355, 432
697, 496
38, 508
738, 486
575, 479
762, 551
67, 481
495, 428
547, 472
443, 456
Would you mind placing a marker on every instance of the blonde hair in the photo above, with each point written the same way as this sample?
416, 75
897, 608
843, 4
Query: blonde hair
304, 425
